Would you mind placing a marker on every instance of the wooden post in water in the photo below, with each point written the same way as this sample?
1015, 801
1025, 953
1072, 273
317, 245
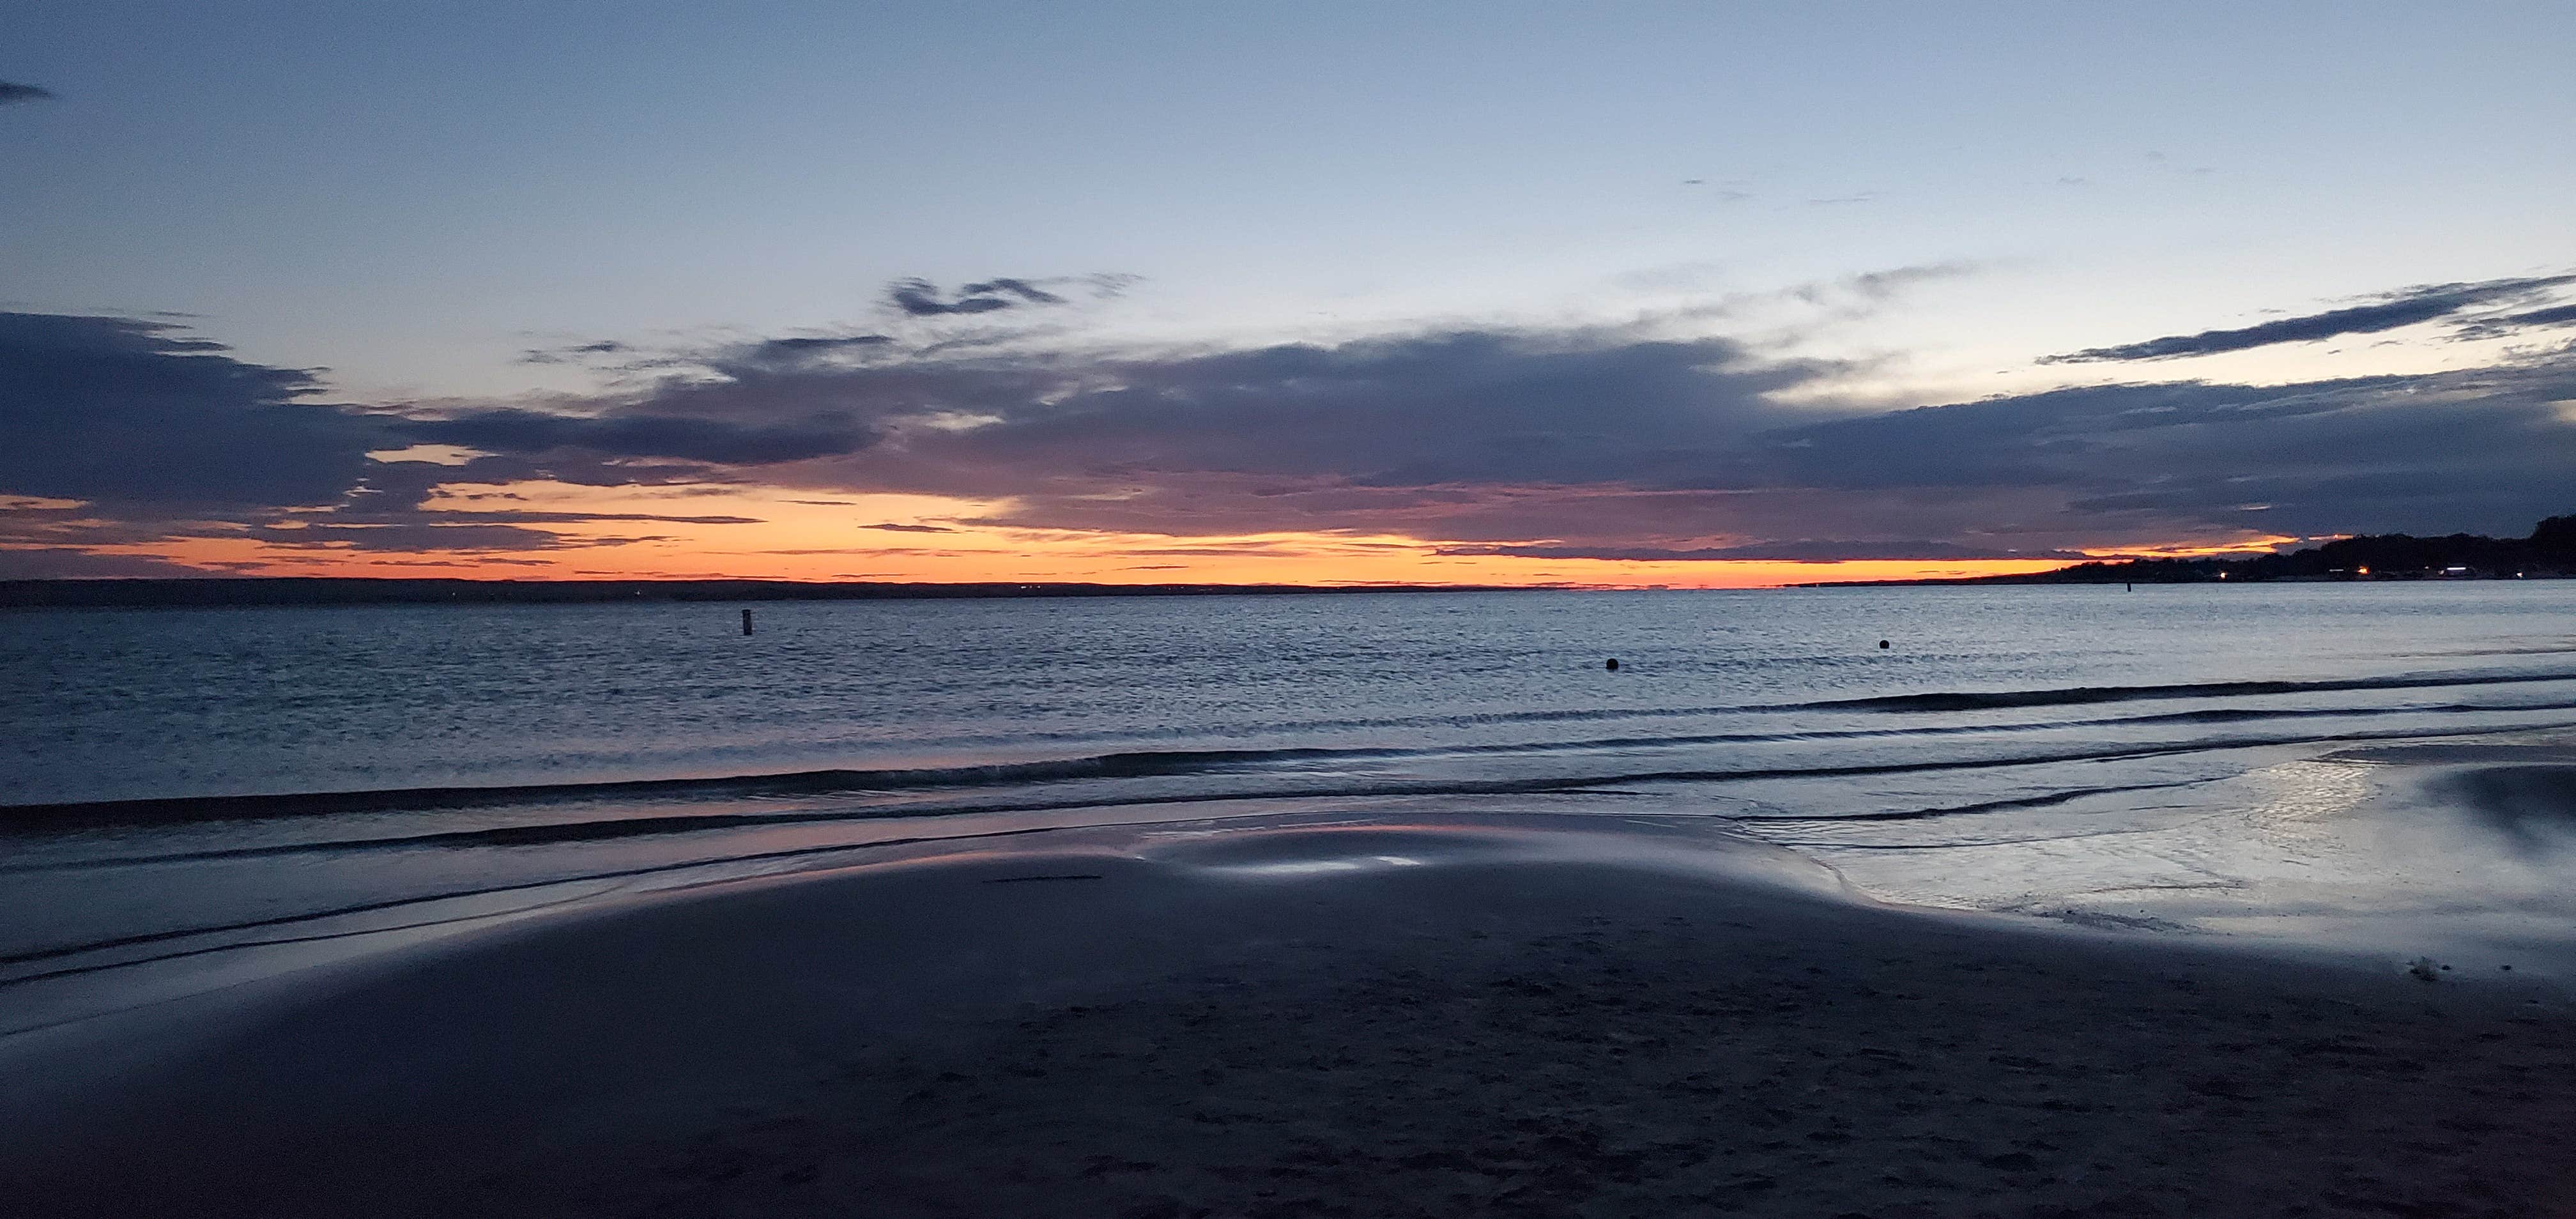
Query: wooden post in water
746, 620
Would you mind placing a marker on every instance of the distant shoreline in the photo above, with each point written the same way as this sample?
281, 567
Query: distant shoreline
2072, 575
185, 592
2548, 554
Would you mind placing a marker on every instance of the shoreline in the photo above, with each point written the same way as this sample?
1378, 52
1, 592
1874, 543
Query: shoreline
1438, 1018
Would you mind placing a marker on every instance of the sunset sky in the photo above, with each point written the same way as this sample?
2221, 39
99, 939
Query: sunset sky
1690, 295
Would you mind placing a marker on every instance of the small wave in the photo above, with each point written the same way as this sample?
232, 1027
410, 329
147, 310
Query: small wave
552, 833
1134, 764
58, 951
2045, 800
1996, 699
789, 783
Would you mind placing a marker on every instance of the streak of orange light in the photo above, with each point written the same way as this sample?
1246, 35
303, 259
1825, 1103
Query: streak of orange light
788, 535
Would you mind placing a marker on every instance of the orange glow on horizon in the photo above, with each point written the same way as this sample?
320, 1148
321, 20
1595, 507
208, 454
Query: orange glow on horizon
769, 533
1266, 559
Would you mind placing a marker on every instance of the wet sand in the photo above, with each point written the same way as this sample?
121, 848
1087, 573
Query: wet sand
1381, 1021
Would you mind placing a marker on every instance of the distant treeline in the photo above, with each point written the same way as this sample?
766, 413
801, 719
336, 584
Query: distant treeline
307, 590
2550, 551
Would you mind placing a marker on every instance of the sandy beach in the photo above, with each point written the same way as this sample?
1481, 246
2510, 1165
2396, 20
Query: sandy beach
1375, 1019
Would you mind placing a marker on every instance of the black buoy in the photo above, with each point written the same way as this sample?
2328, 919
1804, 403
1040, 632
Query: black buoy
746, 620
1612, 664
2129, 586
1882, 643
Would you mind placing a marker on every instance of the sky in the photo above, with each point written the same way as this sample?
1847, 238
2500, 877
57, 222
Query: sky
1630, 294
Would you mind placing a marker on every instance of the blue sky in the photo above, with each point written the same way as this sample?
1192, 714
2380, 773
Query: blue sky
413, 198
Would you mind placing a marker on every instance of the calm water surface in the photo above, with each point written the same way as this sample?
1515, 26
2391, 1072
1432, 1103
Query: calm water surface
2192, 759
174, 703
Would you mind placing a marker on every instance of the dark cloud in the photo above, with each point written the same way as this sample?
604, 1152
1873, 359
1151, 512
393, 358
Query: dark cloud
1020, 288
2486, 451
123, 431
806, 346
506, 517
12, 92
893, 527
417, 536
1601, 443
480, 560
2563, 315
772, 355
1455, 407
921, 298
2513, 323
577, 353
81, 563
2405, 308
646, 435
134, 412
412, 486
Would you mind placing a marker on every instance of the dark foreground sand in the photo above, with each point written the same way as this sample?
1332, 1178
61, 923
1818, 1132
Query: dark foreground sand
1295, 1025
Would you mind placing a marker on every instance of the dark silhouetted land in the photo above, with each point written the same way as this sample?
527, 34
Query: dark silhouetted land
2549, 553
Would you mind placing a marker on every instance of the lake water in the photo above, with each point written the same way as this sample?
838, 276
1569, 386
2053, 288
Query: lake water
186, 785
